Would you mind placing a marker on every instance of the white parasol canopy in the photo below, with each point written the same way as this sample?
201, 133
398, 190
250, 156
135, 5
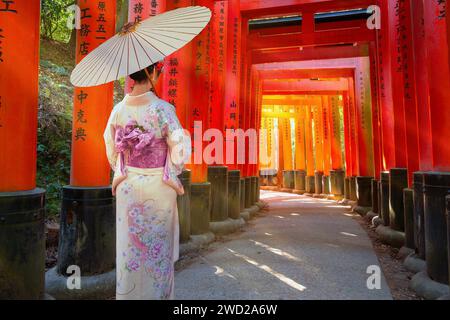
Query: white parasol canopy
139, 45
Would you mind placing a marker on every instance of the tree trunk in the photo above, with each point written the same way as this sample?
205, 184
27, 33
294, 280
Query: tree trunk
73, 40
122, 14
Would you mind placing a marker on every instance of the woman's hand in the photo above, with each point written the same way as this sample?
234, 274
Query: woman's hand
115, 184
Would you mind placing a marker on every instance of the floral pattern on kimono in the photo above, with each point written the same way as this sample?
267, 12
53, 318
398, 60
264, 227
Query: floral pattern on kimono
148, 248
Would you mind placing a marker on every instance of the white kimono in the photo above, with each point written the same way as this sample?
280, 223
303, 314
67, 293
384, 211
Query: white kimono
147, 149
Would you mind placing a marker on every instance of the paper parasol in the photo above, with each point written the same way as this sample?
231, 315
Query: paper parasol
139, 45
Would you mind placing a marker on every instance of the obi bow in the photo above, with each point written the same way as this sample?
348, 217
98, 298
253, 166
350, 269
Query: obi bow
131, 138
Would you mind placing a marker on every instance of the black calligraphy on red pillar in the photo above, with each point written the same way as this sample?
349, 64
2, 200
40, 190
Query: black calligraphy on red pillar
333, 116
101, 32
298, 127
441, 12
212, 84
352, 120
80, 132
399, 31
153, 7
406, 58
199, 56
2, 37
138, 9
235, 45
8, 6
80, 116
173, 82
286, 130
221, 54
84, 31
316, 124
96, 24
232, 115
380, 64
207, 82
325, 123
362, 99
221, 63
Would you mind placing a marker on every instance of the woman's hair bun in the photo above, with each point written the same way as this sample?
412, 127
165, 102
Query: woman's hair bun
141, 76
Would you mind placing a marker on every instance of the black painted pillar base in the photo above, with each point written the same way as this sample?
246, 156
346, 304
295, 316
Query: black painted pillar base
248, 192
22, 245
318, 184
258, 189
218, 177
436, 186
419, 223
409, 218
384, 197
347, 188
398, 180
326, 185
242, 195
254, 185
300, 181
379, 200
386, 233
184, 207
375, 203
200, 208
87, 230
310, 185
233, 221
364, 195
448, 233
353, 194
87, 239
234, 194
337, 178
288, 180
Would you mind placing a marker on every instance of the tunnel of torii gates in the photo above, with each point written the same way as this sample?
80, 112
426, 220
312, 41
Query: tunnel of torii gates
352, 111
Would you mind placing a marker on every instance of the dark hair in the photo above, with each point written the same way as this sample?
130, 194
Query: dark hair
140, 76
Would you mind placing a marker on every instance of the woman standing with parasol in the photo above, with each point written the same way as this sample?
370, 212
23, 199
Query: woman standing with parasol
146, 147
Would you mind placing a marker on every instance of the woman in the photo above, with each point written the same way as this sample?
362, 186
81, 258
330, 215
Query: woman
146, 148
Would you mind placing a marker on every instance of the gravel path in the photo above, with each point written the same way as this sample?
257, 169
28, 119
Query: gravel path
300, 248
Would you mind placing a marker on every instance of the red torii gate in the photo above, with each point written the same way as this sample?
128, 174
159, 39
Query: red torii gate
429, 57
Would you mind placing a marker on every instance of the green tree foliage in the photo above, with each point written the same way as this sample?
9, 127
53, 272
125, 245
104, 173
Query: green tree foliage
122, 14
56, 98
54, 132
54, 19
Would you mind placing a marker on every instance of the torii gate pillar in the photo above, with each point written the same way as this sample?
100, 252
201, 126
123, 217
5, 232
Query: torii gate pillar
22, 240
88, 207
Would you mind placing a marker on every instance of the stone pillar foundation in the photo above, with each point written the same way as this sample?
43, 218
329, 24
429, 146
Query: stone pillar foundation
22, 243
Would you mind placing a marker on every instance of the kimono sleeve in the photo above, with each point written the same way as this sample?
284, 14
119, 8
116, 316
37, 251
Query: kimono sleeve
179, 146
109, 138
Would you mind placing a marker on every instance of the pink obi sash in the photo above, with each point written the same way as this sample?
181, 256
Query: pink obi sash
139, 148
